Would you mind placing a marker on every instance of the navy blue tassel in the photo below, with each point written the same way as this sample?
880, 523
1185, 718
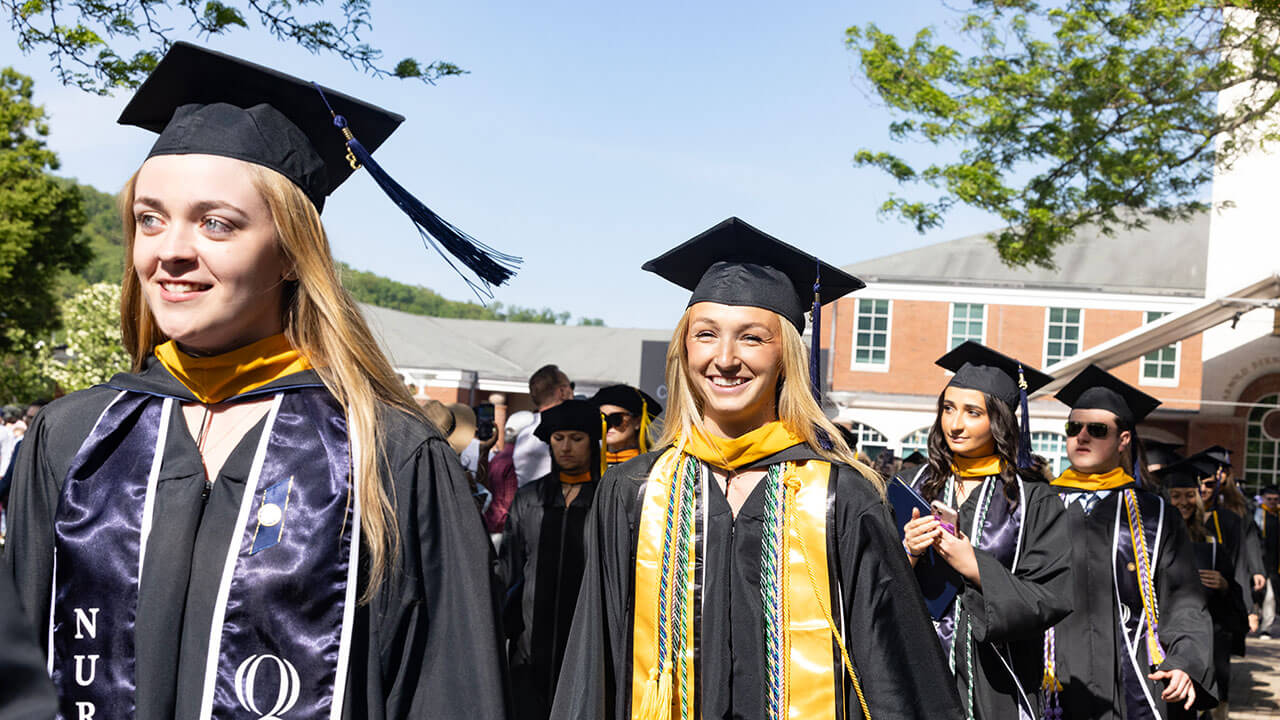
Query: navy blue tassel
815, 339
1137, 458
1024, 439
490, 266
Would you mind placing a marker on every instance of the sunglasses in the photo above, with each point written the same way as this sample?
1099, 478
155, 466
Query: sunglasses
614, 420
1096, 429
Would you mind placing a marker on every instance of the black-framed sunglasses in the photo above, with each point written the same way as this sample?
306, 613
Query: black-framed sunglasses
1096, 429
616, 419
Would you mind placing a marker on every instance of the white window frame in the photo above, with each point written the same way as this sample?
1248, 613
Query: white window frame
859, 430
1048, 312
888, 339
905, 449
1058, 437
1177, 358
951, 325
1271, 476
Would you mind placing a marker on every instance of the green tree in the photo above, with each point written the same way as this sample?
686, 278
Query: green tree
85, 39
23, 376
40, 216
1080, 112
93, 344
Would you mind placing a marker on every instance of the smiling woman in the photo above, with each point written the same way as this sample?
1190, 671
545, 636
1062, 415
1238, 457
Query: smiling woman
261, 486
751, 530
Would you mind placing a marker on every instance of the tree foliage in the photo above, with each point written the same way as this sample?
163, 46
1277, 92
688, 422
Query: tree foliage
23, 369
40, 216
1080, 112
86, 39
94, 348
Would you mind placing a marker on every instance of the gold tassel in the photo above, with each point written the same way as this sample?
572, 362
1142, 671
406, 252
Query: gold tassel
644, 426
604, 445
656, 704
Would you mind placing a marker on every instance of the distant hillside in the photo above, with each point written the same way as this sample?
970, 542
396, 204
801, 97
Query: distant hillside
103, 232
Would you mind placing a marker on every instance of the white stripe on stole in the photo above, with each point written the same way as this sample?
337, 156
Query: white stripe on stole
228, 570
149, 503
53, 582
349, 608
1131, 645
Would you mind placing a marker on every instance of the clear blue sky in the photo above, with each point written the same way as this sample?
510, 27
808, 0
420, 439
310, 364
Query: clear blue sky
588, 137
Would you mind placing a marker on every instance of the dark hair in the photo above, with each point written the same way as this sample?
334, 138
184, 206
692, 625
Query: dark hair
1004, 430
1269, 490
593, 463
543, 382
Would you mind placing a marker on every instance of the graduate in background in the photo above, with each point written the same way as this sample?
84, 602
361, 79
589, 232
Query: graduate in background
1227, 528
258, 520
1217, 574
542, 554
628, 416
1267, 520
1010, 544
748, 566
1139, 641
1222, 497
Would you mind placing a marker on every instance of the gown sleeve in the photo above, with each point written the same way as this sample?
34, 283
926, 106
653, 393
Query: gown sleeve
892, 642
1186, 628
460, 673
26, 692
1037, 594
511, 562
33, 500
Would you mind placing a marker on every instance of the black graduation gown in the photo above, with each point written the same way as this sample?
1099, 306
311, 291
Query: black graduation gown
1226, 607
1232, 544
25, 691
1013, 608
885, 626
428, 643
1089, 648
541, 566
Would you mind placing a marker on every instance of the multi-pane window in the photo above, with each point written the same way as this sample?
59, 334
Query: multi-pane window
871, 333
1262, 444
870, 441
1052, 447
1160, 366
1062, 333
917, 441
967, 320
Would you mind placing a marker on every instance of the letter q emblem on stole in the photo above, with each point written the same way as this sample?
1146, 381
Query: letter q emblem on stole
286, 695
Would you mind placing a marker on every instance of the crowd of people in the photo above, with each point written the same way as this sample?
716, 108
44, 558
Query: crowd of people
260, 521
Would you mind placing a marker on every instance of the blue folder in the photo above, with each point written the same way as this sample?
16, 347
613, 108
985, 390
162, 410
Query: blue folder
939, 582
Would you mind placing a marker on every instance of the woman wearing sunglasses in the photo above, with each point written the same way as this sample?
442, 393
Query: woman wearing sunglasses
1139, 642
747, 568
258, 521
1010, 542
628, 413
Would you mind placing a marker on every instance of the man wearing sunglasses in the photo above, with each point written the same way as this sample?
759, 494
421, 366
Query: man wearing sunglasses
628, 412
1139, 643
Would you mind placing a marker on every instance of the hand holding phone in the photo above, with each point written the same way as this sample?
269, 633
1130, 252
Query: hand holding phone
946, 515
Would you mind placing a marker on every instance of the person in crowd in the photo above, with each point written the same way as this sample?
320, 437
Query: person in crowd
628, 416
1228, 528
542, 556
258, 520
1010, 543
1160, 454
1139, 641
1223, 594
501, 476
548, 387
1267, 519
913, 462
749, 529
457, 422
10, 415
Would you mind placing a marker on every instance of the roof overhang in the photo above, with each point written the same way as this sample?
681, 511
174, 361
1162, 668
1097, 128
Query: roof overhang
1166, 331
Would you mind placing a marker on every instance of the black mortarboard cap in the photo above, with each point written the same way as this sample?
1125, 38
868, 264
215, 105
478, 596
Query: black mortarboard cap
632, 399
1161, 453
570, 415
736, 264
978, 367
1182, 474
1217, 454
1097, 389
1203, 464
915, 458
209, 103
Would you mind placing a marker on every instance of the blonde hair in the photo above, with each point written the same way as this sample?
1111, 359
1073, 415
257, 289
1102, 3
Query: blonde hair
323, 322
798, 411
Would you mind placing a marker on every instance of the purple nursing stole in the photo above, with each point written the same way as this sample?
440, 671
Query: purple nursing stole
279, 640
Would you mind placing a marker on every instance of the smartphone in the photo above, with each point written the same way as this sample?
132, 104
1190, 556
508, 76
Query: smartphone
946, 515
485, 427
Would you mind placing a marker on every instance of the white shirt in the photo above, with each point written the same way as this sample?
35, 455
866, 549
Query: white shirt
531, 456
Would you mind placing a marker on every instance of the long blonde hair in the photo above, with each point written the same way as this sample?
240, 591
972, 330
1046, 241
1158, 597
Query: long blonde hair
323, 322
797, 409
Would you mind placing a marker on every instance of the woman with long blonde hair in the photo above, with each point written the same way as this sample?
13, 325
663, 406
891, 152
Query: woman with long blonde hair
258, 520
747, 567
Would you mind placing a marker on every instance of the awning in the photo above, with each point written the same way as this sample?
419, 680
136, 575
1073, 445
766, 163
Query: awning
1165, 331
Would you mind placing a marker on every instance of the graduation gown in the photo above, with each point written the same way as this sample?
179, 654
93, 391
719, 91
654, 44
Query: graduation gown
1092, 653
428, 643
1022, 595
1226, 607
1227, 530
885, 626
541, 566
25, 693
